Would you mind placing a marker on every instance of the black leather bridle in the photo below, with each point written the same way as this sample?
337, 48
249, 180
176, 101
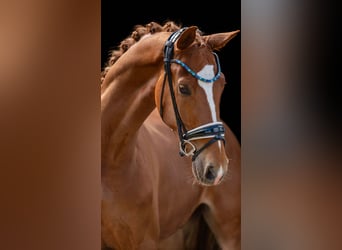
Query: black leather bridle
215, 130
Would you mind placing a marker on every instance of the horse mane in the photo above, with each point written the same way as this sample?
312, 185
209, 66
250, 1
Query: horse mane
138, 32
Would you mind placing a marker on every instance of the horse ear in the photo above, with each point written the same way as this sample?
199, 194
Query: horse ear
219, 40
186, 38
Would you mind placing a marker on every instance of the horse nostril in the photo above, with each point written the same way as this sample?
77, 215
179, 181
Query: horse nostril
210, 173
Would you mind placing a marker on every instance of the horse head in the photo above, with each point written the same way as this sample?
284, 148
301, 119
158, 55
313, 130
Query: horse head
188, 99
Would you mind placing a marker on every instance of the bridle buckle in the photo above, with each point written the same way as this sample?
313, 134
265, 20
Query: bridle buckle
183, 151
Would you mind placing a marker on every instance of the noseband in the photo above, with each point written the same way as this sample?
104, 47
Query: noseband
214, 130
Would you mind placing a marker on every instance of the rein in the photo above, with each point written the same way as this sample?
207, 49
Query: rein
214, 130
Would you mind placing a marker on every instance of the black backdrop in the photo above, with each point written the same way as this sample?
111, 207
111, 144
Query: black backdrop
119, 17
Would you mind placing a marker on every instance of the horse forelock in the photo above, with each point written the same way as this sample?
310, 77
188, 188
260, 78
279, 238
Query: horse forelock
139, 32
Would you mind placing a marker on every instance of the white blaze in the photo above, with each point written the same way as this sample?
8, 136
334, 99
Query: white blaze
208, 73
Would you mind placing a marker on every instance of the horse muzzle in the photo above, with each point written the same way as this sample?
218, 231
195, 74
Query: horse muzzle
210, 167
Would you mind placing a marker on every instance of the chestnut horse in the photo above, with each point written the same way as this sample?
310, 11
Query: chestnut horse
165, 150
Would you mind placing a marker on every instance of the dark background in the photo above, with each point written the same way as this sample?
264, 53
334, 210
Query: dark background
209, 19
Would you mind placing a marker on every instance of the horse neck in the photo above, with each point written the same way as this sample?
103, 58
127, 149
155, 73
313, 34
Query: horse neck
127, 94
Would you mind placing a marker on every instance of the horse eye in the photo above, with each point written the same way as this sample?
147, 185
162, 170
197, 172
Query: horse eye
184, 89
